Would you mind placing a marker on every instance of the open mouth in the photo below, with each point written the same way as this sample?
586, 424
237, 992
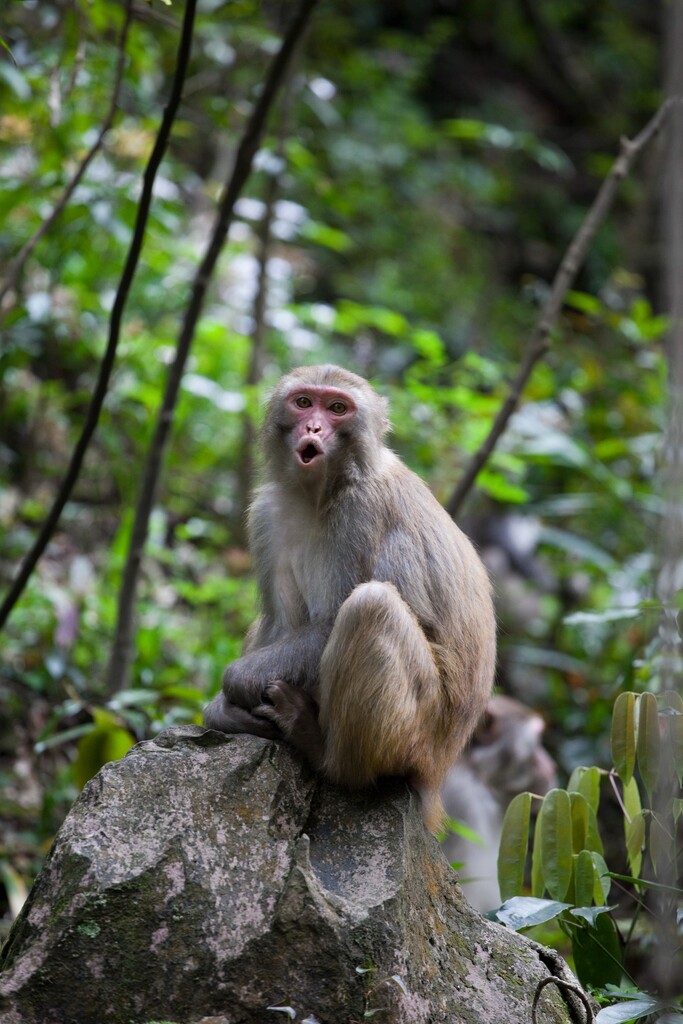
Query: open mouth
309, 453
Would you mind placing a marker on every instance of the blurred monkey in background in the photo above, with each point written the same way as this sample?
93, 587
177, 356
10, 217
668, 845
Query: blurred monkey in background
506, 757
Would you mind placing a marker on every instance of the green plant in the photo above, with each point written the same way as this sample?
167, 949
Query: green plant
570, 880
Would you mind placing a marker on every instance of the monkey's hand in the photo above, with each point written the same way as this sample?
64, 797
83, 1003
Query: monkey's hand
226, 717
295, 714
244, 680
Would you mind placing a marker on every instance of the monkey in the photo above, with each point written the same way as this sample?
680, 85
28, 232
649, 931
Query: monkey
374, 652
506, 757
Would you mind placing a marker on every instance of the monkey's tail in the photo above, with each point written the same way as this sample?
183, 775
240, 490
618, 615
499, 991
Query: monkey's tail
433, 813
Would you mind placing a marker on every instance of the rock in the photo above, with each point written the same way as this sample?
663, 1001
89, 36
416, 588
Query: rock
207, 877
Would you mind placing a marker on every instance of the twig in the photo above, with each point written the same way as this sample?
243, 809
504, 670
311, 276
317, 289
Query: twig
246, 466
567, 987
539, 342
15, 267
119, 663
97, 400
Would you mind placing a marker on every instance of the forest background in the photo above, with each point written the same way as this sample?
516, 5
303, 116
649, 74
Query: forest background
423, 170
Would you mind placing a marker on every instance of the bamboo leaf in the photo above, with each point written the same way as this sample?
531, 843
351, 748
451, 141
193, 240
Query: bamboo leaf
649, 742
623, 738
513, 846
555, 823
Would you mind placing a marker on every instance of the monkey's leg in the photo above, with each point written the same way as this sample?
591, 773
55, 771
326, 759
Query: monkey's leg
381, 703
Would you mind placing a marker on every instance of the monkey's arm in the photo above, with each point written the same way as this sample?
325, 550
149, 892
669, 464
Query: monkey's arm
293, 658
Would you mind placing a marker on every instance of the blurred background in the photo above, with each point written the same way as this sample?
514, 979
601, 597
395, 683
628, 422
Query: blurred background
424, 170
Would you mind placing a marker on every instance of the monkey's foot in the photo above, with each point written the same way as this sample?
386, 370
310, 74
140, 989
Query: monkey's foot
296, 714
226, 717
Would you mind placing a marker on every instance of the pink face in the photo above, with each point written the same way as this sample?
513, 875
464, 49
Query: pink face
318, 413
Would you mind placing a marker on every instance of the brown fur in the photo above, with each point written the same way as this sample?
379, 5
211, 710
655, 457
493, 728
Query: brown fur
375, 608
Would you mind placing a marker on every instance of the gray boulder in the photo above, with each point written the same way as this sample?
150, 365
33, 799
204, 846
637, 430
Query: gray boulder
207, 878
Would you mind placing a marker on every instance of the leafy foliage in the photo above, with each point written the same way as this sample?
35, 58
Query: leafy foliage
428, 171
568, 856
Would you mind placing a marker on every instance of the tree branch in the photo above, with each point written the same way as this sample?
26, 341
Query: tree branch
539, 343
95, 406
15, 267
119, 663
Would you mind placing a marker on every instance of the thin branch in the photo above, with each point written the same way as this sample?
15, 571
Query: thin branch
97, 400
246, 467
539, 342
566, 987
15, 267
119, 663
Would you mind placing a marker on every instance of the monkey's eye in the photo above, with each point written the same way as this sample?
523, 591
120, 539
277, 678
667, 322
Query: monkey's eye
303, 402
338, 408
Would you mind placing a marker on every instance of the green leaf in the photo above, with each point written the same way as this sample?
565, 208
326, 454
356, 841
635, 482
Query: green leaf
602, 879
513, 846
587, 782
645, 884
631, 797
579, 814
526, 911
590, 914
460, 829
623, 737
635, 841
584, 879
632, 1009
597, 953
555, 823
325, 236
649, 743
108, 741
499, 487
537, 882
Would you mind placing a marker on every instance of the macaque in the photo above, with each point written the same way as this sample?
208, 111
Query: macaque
375, 648
506, 757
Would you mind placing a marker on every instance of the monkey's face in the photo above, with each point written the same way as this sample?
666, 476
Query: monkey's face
317, 420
